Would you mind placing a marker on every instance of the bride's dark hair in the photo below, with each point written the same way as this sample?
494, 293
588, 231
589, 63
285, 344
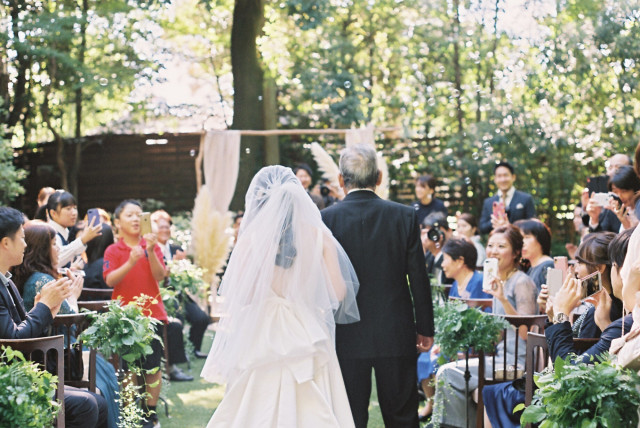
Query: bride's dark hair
286, 249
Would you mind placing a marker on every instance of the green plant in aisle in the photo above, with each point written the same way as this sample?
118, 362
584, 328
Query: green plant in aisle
27, 398
459, 327
126, 331
576, 394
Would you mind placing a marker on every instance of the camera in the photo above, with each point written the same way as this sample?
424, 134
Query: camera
324, 190
435, 234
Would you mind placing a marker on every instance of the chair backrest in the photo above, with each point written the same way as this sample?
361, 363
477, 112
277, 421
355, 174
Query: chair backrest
39, 350
476, 303
537, 359
71, 325
504, 369
96, 306
89, 294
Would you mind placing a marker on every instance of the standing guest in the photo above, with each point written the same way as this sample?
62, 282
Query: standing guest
43, 197
95, 258
468, 227
536, 247
624, 184
63, 214
427, 203
197, 318
83, 409
134, 266
305, 175
382, 241
38, 269
517, 205
433, 234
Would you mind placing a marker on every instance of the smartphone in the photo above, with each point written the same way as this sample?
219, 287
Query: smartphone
601, 199
591, 284
489, 272
555, 279
498, 209
145, 223
93, 217
562, 263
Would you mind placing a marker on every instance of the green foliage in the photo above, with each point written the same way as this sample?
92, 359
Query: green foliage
585, 395
186, 277
459, 327
181, 229
124, 330
10, 176
27, 398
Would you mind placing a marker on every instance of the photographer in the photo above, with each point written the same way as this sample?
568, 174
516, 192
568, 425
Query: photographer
434, 232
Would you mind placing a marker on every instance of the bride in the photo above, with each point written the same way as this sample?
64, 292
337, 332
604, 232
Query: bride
287, 283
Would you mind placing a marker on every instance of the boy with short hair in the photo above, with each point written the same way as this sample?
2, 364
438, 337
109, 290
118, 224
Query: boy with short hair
134, 266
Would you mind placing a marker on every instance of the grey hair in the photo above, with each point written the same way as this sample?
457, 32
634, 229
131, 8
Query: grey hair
358, 166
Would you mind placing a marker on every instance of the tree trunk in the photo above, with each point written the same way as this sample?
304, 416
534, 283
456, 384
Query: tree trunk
248, 20
272, 147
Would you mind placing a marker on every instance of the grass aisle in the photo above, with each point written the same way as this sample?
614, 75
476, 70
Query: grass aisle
191, 404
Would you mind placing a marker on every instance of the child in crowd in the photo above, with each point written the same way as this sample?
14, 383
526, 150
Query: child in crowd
63, 214
134, 266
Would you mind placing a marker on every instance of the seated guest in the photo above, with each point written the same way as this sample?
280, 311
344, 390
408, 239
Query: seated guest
536, 247
197, 318
434, 233
305, 176
82, 408
468, 227
427, 203
514, 293
36, 270
500, 399
95, 258
458, 263
517, 205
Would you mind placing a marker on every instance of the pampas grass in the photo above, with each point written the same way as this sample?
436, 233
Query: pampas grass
211, 239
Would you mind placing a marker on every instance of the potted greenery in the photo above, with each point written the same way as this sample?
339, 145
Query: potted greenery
27, 398
459, 327
125, 331
575, 394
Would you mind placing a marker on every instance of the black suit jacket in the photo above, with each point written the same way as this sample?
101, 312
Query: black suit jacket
383, 243
15, 322
521, 207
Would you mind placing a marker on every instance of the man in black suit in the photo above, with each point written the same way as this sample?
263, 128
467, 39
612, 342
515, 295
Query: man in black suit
518, 205
382, 241
82, 408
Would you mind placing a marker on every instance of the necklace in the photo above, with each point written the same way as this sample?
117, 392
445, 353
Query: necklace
511, 272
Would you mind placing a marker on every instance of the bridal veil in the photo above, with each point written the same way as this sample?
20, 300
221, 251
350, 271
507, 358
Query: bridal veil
284, 251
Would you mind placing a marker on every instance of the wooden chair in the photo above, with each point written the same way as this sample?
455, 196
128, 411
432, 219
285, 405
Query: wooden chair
538, 358
72, 325
533, 323
482, 304
89, 294
95, 306
40, 350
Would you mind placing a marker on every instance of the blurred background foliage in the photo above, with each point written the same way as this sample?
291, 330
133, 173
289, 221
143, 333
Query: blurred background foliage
550, 85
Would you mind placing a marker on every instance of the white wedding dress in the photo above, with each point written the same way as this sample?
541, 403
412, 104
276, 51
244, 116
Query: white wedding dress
287, 284
289, 376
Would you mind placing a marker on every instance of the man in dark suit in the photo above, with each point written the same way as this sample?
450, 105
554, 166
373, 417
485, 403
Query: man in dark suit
518, 205
382, 241
82, 408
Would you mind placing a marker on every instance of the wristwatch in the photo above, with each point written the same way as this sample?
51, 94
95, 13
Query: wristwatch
559, 318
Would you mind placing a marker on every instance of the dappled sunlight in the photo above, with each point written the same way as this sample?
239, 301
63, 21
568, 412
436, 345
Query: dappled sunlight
209, 397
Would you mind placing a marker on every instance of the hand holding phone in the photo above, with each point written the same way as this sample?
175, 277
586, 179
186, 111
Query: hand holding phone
600, 199
590, 284
145, 223
554, 280
489, 273
499, 209
93, 217
562, 263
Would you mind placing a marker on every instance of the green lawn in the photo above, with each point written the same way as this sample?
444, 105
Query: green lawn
191, 404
